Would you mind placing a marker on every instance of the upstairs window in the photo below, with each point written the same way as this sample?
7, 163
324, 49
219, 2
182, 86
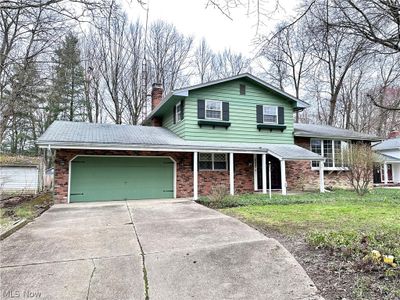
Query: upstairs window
178, 112
332, 150
270, 114
213, 110
213, 161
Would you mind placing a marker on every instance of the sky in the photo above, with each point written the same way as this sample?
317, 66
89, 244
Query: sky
194, 18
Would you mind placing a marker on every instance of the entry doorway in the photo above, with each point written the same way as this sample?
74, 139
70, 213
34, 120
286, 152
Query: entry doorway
275, 172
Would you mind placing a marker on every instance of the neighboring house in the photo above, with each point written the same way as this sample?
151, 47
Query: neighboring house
226, 132
389, 161
20, 174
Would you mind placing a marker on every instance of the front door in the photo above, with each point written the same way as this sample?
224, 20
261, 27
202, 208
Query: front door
275, 172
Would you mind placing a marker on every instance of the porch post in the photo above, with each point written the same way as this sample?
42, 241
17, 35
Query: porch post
264, 172
385, 173
321, 177
283, 177
195, 176
231, 174
255, 172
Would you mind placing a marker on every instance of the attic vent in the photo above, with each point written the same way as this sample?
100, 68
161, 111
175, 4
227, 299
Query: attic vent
242, 89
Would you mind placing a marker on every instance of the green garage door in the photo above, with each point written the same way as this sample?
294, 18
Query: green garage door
95, 178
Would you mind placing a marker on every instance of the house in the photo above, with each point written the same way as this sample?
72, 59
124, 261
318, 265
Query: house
230, 132
388, 152
20, 174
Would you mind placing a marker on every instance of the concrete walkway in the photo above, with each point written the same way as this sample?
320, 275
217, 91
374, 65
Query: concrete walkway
162, 249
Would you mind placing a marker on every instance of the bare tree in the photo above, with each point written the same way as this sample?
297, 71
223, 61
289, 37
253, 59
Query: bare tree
203, 58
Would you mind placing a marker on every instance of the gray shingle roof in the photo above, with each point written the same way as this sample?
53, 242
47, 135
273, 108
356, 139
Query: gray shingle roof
388, 144
79, 135
325, 131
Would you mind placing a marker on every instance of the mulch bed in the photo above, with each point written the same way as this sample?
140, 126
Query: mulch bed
335, 276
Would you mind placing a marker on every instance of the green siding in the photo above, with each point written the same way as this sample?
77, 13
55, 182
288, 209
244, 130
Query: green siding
120, 178
178, 128
242, 115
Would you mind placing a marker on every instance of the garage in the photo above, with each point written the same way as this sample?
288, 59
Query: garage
111, 178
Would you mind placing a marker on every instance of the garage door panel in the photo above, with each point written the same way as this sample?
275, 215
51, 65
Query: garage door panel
120, 178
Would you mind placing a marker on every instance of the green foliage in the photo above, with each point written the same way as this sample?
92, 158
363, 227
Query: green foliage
67, 97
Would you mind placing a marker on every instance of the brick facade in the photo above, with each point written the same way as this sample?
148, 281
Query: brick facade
184, 172
300, 176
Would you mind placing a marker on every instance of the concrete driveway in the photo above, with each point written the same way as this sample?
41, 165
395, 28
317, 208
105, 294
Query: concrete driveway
159, 249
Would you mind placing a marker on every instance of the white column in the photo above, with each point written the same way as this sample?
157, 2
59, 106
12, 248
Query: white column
283, 177
264, 173
269, 180
385, 173
255, 172
195, 176
231, 174
321, 177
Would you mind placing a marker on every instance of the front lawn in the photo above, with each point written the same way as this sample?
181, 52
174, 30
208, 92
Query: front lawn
333, 235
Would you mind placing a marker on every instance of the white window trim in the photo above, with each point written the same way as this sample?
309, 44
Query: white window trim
220, 109
334, 168
178, 115
276, 114
212, 162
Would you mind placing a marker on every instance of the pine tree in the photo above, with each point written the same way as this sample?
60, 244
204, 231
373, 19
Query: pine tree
67, 96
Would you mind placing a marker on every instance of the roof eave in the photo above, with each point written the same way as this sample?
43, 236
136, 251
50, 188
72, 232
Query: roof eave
336, 137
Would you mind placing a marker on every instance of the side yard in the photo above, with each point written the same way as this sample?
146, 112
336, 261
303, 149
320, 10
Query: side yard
349, 245
22, 207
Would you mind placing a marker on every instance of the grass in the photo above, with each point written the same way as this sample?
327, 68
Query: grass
343, 223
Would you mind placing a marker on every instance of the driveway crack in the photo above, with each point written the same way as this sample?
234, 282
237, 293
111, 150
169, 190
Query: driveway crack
145, 279
90, 279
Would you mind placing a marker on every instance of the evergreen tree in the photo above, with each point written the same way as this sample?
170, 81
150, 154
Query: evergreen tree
67, 96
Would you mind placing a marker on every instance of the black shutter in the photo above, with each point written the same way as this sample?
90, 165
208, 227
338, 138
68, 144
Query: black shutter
281, 115
201, 109
182, 109
174, 113
259, 114
225, 111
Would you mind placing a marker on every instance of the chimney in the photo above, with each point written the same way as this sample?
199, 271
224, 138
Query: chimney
156, 95
394, 134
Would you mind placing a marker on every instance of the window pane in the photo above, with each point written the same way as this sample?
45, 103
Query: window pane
205, 165
269, 110
205, 157
212, 114
178, 112
316, 148
213, 105
219, 165
219, 157
328, 153
269, 119
338, 153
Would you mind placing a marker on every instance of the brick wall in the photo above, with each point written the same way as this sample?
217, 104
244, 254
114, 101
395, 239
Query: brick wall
184, 177
300, 176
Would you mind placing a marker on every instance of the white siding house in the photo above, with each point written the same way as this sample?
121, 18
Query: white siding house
389, 157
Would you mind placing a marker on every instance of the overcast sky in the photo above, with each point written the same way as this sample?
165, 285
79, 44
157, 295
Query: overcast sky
191, 17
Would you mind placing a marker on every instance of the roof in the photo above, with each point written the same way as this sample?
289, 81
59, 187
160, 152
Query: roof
388, 144
19, 160
184, 92
80, 135
324, 131
381, 157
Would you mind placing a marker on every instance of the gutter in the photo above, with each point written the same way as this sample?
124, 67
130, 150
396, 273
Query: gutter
173, 148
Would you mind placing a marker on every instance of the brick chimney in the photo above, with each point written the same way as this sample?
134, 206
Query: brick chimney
156, 95
394, 134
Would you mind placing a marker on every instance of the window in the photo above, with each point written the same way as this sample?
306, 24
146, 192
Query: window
242, 89
332, 150
213, 161
213, 109
178, 112
270, 114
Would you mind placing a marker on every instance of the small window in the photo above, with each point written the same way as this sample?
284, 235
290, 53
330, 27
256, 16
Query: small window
242, 89
178, 112
270, 114
213, 161
214, 109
